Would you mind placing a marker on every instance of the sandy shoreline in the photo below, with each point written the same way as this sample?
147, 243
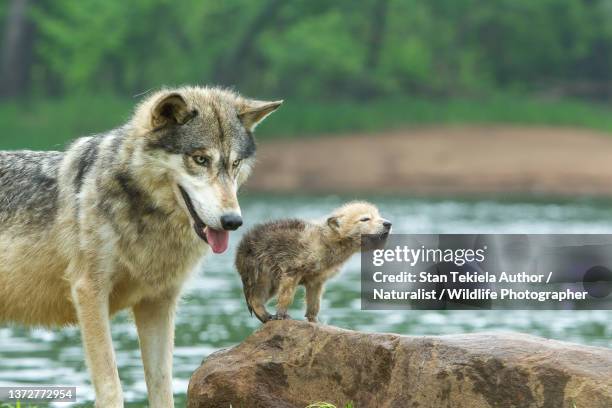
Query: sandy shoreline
441, 161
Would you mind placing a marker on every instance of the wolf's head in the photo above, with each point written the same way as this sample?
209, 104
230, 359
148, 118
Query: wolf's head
201, 140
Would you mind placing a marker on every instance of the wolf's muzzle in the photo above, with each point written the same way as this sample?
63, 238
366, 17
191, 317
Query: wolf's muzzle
231, 222
198, 225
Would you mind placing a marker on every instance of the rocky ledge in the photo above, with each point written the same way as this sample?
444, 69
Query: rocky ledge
293, 364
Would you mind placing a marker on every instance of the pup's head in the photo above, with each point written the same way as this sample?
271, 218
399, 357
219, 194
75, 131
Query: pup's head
201, 140
358, 218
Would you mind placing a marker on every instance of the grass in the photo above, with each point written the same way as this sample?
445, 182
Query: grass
309, 118
51, 124
46, 124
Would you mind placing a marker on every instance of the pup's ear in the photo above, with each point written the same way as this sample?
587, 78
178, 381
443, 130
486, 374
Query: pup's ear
170, 109
333, 222
253, 112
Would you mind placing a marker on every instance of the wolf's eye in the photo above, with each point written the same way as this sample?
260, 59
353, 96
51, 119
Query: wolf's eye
364, 219
236, 163
201, 160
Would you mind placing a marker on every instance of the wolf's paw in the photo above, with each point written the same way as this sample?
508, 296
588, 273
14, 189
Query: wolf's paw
312, 319
281, 316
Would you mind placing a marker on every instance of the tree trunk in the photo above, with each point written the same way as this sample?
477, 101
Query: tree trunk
230, 68
17, 50
377, 33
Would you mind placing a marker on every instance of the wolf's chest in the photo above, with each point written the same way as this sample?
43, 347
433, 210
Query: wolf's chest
161, 258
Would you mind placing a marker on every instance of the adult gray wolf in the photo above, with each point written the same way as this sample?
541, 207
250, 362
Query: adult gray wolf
278, 256
120, 220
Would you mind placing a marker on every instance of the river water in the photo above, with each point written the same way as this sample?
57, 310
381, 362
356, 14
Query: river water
213, 314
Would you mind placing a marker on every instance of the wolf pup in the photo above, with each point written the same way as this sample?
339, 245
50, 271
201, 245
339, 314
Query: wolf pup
120, 220
278, 256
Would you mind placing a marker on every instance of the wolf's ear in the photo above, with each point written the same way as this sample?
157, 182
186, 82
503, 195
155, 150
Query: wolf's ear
333, 222
170, 109
253, 112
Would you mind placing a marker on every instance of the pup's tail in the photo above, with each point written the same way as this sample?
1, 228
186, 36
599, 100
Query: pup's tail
252, 311
248, 295
249, 274
247, 288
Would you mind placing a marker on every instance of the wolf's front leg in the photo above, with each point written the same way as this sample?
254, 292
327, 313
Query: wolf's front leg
314, 290
91, 302
155, 323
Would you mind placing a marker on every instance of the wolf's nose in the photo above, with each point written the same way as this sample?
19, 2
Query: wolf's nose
387, 224
231, 222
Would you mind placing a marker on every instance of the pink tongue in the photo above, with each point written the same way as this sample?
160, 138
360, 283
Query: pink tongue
217, 239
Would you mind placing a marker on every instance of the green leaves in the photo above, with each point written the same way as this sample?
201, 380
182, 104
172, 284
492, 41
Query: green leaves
318, 48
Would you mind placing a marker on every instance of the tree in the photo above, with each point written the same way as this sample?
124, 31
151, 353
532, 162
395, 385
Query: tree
230, 68
379, 21
17, 50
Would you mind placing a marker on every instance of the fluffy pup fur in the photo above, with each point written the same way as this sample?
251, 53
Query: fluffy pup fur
274, 258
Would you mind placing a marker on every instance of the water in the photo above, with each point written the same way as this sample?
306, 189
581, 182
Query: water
213, 314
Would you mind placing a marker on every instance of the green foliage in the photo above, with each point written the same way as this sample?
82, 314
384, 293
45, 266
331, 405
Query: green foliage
51, 125
18, 404
346, 65
318, 48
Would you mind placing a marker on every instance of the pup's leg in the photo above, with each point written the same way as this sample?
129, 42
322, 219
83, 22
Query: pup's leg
314, 290
155, 323
91, 302
286, 292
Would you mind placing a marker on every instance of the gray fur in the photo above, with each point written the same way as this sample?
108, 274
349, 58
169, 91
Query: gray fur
101, 227
191, 136
137, 202
29, 179
29, 186
86, 160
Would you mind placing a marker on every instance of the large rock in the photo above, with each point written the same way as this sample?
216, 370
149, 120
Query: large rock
292, 364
